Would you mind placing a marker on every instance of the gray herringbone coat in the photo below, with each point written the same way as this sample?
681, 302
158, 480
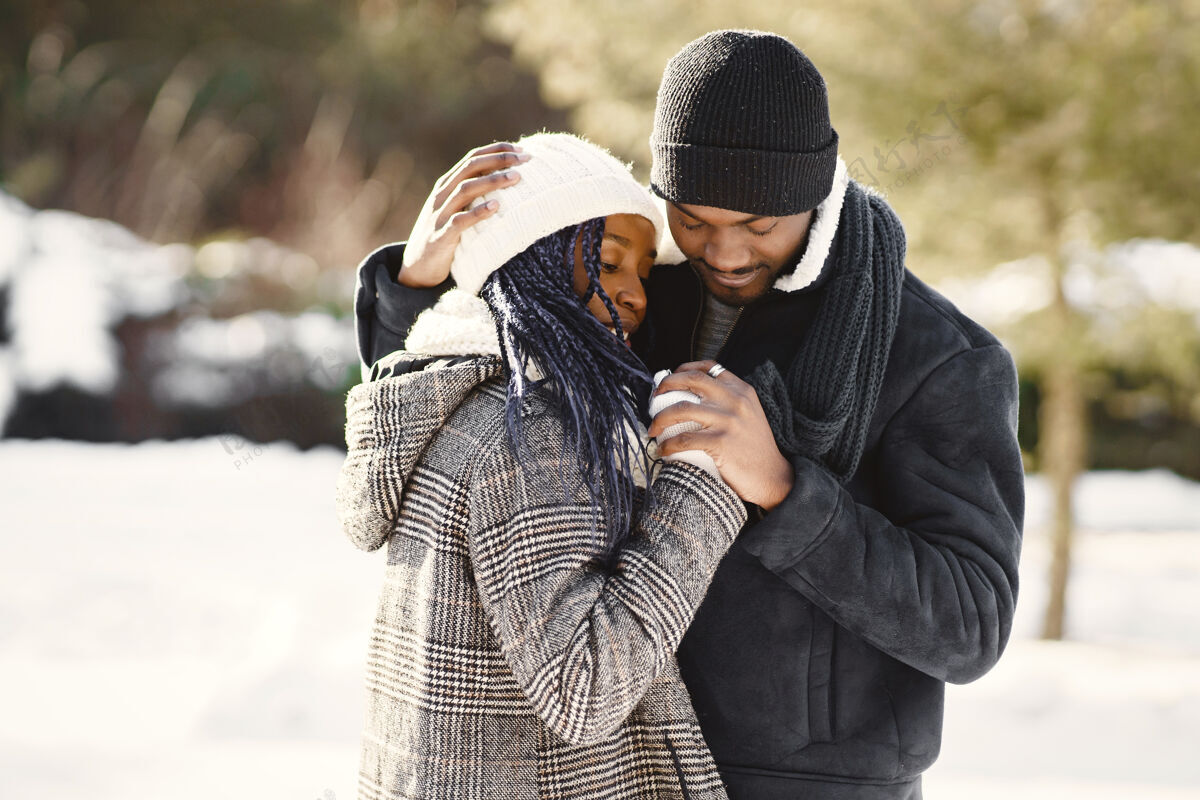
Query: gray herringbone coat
506, 661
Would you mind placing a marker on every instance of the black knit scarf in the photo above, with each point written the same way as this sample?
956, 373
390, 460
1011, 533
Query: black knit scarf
823, 407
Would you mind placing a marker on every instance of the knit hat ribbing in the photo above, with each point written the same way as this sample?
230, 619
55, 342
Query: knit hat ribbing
742, 123
568, 180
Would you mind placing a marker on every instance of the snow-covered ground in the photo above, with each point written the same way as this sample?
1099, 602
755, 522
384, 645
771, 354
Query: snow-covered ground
185, 621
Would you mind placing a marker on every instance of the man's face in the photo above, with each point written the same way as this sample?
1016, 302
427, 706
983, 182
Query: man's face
737, 255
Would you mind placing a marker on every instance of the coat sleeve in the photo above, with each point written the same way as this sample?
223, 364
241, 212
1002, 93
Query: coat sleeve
928, 574
383, 309
586, 637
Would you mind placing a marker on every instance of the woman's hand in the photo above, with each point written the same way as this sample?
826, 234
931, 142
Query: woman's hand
448, 212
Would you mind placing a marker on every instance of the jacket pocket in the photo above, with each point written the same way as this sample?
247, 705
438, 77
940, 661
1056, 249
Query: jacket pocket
820, 677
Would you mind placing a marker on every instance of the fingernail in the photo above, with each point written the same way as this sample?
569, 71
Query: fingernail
491, 205
523, 156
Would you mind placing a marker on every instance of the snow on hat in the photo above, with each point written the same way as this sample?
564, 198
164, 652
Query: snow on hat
567, 180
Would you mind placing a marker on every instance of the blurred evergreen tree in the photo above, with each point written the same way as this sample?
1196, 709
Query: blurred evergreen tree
1081, 121
321, 124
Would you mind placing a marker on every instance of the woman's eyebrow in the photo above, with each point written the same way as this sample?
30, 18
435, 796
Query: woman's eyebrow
621, 240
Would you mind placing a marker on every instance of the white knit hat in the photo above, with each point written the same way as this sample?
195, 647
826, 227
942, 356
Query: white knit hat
567, 180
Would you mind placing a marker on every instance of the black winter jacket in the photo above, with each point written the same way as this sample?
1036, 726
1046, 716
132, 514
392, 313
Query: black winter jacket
818, 660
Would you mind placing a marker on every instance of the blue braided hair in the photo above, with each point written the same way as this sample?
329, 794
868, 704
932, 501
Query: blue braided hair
599, 388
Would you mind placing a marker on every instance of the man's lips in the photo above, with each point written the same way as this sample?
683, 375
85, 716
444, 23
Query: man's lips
733, 280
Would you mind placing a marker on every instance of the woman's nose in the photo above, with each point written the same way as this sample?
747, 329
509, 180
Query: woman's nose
631, 294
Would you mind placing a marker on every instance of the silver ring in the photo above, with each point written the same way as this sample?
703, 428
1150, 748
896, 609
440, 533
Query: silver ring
715, 370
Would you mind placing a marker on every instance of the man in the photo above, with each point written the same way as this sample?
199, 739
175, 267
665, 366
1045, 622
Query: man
867, 422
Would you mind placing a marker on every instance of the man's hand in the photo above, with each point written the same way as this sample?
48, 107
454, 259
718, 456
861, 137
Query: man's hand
447, 211
734, 431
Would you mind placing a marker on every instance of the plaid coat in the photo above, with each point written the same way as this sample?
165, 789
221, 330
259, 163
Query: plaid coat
506, 660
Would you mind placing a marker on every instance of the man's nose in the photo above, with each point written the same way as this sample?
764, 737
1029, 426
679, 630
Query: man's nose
725, 251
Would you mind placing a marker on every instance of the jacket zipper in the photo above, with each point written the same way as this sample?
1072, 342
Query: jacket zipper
728, 333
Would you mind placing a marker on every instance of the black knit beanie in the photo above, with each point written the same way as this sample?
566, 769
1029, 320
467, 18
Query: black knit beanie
742, 123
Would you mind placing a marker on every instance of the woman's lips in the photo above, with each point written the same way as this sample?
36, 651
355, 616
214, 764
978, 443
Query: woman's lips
628, 326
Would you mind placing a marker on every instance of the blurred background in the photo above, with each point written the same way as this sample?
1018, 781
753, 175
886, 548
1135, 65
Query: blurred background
186, 189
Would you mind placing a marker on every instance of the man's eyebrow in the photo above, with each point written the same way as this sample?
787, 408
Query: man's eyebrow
750, 218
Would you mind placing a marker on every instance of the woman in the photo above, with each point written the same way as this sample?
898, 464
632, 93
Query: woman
534, 594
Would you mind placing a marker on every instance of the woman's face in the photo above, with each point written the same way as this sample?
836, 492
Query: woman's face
626, 255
